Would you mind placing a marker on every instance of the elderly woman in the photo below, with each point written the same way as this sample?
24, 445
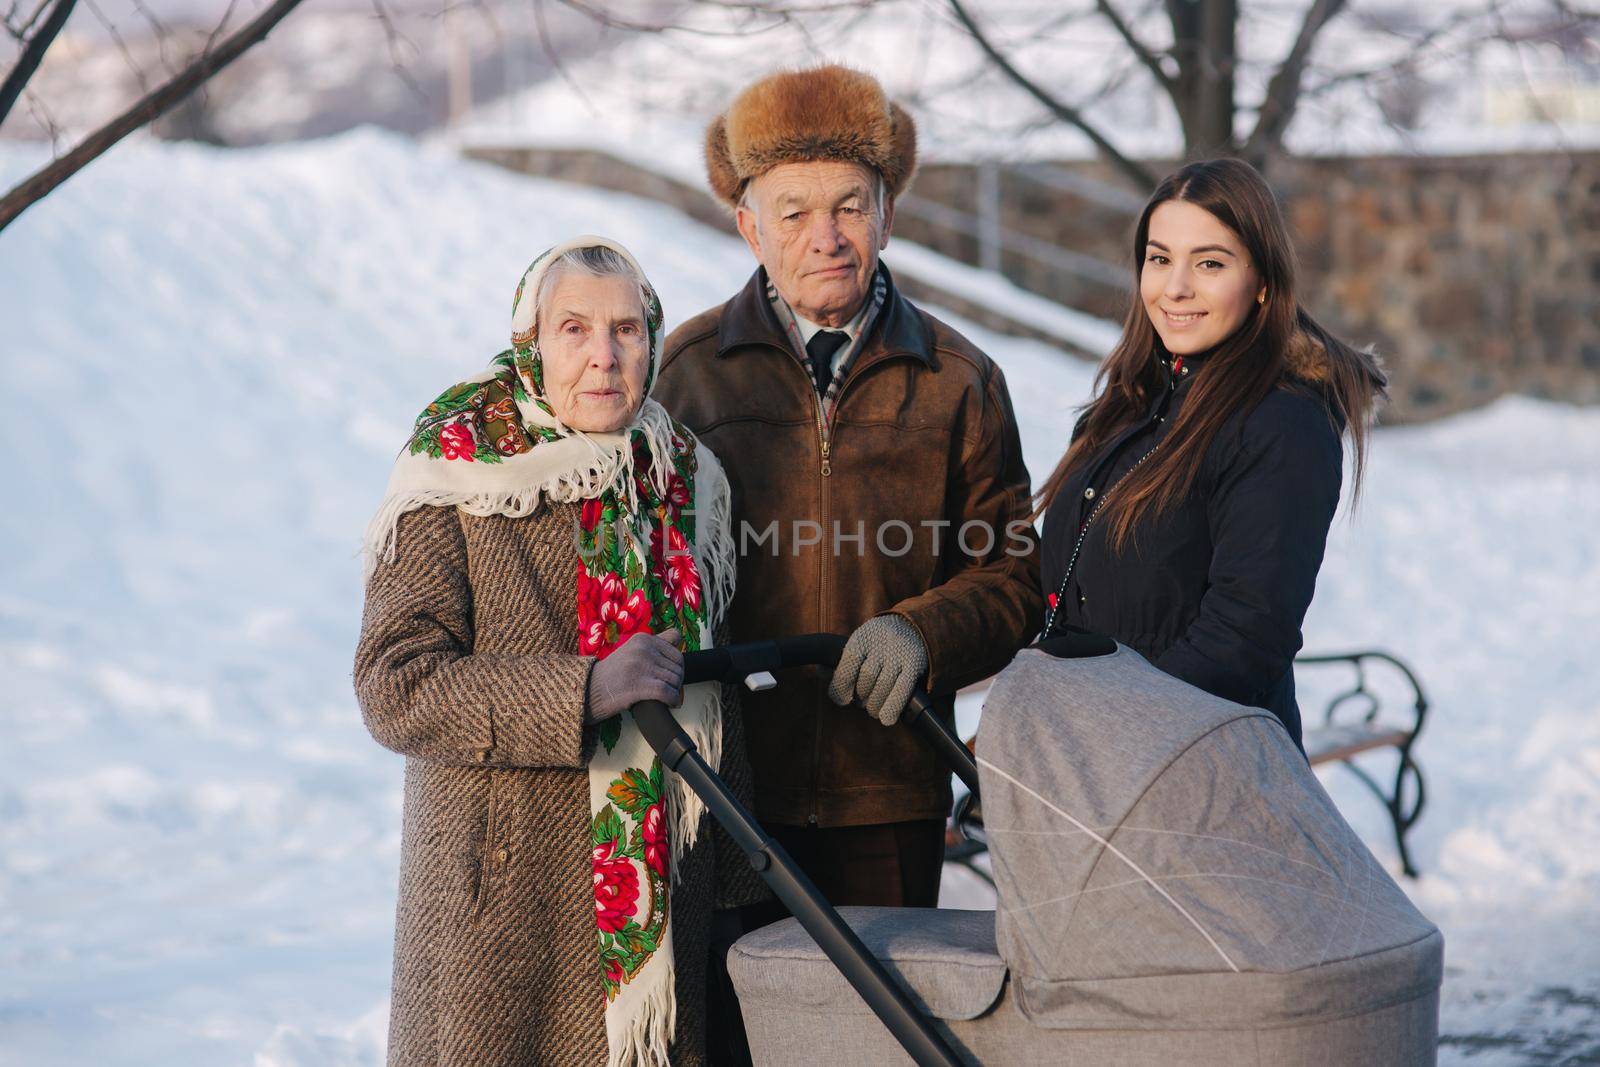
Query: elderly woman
550, 542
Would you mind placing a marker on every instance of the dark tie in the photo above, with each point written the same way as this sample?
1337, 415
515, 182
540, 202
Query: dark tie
821, 347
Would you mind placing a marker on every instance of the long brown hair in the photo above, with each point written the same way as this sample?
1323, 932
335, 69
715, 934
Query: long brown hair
1239, 373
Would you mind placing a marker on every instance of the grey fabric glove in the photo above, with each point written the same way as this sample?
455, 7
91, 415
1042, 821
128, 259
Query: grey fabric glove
644, 667
882, 661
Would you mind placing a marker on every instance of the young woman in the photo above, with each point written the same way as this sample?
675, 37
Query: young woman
1188, 517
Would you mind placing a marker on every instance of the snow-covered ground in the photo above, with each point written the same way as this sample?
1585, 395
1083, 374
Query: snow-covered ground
211, 359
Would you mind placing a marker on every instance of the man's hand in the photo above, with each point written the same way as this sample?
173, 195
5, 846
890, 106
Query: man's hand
644, 667
883, 660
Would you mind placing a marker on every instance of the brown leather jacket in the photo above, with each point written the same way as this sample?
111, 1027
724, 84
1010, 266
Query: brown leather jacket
922, 441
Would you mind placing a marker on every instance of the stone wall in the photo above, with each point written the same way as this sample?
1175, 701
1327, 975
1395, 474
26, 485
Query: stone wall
1473, 276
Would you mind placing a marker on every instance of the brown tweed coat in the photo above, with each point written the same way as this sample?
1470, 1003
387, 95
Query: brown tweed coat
468, 666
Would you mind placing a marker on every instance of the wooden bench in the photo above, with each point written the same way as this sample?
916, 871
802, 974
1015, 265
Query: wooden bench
1351, 725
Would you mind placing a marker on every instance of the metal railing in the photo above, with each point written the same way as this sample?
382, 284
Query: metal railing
996, 239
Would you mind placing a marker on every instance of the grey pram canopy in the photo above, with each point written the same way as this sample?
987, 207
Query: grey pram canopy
1173, 885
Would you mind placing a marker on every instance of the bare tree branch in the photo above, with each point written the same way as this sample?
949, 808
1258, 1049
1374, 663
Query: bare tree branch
615, 22
1134, 172
1283, 91
1534, 102
157, 27
785, 12
1414, 47
824, 7
44, 120
122, 45
159, 31
153, 105
1407, 136
32, 53
395, 39
1151, 61
553, 54
27, 24
1068, 18
222, 24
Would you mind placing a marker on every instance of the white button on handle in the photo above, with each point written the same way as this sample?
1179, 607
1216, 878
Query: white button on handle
759, 681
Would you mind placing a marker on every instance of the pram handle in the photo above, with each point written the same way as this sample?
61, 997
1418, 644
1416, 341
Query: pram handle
832, 934
734, 663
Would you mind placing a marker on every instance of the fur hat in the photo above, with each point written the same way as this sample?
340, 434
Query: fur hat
829, 112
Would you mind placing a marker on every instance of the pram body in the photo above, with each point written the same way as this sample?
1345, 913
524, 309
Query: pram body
1174, 887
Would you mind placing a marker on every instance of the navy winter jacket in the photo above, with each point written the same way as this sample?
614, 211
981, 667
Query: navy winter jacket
1213, 592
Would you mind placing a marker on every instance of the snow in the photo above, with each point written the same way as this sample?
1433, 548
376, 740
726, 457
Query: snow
212, 358
995, 291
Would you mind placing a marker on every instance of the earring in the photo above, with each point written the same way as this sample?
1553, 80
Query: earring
1261, 297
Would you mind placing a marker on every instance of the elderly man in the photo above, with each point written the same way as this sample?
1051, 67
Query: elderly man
876, 473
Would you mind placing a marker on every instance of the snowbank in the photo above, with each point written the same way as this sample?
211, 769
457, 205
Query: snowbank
212, 358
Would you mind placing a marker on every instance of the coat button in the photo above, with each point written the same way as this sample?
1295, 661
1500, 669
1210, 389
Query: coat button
502, 854
1088, 494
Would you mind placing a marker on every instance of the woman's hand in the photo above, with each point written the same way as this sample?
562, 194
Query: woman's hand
644, 667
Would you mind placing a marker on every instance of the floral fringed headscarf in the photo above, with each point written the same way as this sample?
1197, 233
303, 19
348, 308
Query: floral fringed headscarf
655, 550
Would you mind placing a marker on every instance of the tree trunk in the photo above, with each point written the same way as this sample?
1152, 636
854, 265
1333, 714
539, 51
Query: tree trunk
1203, 33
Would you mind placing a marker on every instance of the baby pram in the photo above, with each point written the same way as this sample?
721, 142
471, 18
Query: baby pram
1173, 885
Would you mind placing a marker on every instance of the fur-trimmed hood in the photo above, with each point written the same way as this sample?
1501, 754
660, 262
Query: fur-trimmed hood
830, 112
1306, 358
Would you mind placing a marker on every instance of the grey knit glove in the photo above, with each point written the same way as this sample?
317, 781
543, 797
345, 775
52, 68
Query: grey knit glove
644, 667
882, 661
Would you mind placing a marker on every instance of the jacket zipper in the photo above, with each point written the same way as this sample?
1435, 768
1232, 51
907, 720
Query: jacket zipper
1083, 531
823, 444
822, 437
